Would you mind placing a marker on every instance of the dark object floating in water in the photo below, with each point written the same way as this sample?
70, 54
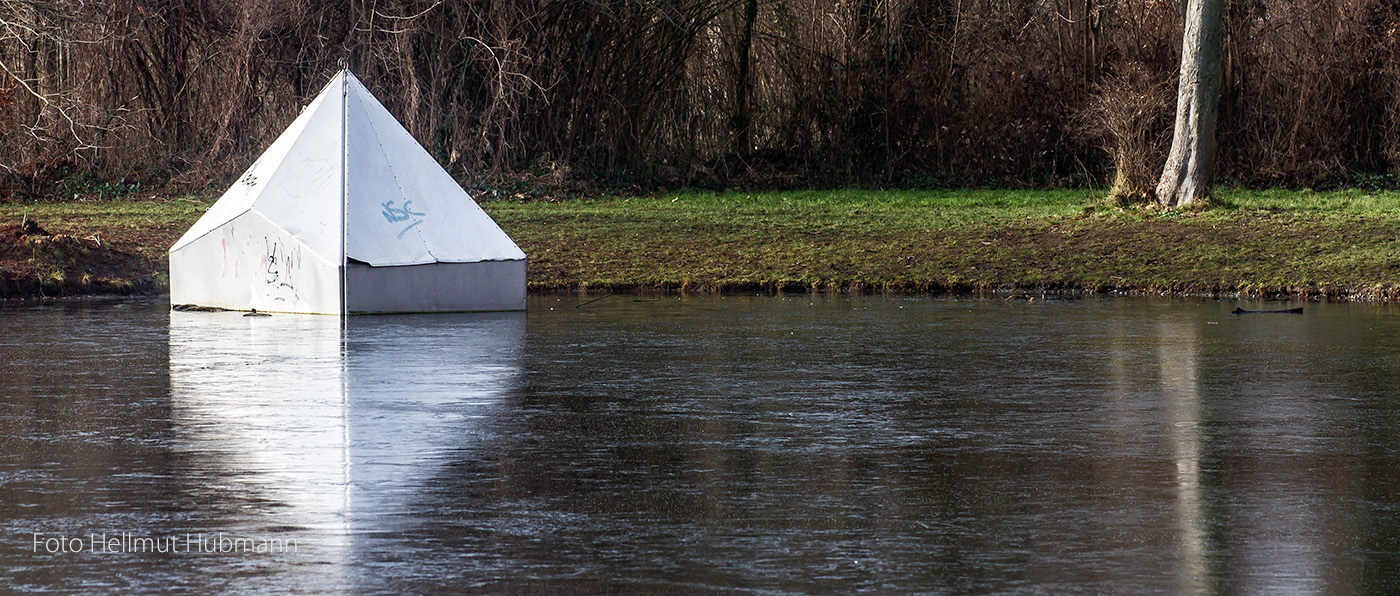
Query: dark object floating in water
1290, 311
583, 304
196, 308
255, 313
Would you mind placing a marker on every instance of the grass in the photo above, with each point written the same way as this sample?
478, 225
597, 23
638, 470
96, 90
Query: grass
1343, 243
701, 240
1261, 243
1341, 203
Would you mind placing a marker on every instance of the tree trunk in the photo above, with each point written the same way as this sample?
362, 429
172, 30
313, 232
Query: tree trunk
742, 120
1191, 163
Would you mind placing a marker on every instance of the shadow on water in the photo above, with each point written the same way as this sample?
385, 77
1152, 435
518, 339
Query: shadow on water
799, 444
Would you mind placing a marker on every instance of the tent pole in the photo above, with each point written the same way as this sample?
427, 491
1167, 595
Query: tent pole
344, 197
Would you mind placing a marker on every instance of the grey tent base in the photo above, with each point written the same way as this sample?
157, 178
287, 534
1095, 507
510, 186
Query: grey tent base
435, 287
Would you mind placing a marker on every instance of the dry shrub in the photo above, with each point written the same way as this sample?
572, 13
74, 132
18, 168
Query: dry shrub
1129, 115
778, 92
1306, 90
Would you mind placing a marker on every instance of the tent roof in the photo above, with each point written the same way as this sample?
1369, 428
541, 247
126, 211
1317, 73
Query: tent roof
349, 181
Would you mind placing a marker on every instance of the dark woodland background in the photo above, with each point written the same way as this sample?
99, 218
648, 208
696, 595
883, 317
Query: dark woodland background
778, 93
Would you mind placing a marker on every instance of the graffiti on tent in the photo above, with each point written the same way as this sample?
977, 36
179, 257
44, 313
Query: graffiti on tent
398, 215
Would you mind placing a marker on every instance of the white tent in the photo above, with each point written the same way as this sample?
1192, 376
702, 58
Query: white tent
347, 213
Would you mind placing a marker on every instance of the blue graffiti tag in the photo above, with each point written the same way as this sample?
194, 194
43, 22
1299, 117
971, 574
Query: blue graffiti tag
397, 214
410, 227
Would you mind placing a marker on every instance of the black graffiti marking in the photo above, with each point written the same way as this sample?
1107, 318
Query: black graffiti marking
281, 265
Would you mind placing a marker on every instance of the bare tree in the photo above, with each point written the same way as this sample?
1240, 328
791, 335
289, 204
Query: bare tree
1190, 167
779, 92
37, 71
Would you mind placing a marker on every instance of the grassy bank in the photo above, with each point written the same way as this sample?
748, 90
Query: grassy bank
1338, 244
101, 246
1260, 243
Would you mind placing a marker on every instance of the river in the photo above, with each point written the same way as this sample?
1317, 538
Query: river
789, 444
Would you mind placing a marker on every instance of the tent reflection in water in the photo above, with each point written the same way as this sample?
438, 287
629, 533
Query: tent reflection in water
299, 429
346, 213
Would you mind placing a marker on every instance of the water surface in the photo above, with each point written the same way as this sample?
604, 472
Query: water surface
769, 444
